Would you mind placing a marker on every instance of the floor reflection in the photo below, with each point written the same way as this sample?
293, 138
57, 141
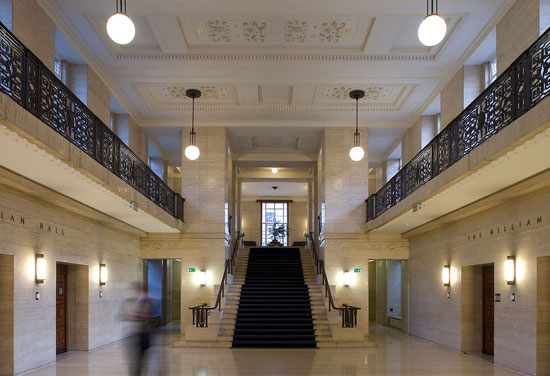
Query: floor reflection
396, 354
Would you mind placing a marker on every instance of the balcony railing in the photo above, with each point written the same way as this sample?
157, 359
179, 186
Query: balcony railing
26, 80
520, 88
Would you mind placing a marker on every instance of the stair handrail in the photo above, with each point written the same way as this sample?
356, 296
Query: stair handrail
201, 311
348, 312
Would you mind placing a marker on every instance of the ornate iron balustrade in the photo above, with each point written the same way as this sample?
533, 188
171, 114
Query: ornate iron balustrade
520, 88
26, 80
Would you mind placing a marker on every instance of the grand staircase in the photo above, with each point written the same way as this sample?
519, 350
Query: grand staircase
275, 307
273, 299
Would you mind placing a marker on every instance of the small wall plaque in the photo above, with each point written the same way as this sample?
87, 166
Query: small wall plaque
497, 297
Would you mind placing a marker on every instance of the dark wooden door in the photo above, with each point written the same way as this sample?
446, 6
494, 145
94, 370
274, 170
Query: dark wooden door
61, 309
488, 309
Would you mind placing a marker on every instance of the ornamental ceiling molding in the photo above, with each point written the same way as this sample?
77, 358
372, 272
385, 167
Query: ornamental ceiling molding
276, 108
125, 53
399, 95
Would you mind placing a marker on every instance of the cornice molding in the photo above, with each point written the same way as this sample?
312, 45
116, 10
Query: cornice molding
214, 108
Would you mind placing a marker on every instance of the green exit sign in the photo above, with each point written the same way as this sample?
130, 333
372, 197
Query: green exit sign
191, 270
358, 270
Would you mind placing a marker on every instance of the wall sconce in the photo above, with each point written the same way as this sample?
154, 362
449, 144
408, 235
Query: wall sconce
446, 275
202, 278
40, 268
102, 275
510, 270
347, 278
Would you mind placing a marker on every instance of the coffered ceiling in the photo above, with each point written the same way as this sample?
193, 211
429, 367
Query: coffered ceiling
276, 64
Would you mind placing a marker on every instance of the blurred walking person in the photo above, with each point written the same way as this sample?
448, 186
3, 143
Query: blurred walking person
139, 310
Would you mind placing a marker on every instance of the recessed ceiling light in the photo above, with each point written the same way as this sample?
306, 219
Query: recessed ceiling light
201, 31
349, 31
274, 170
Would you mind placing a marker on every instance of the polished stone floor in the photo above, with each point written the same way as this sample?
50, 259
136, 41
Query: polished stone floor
396, 354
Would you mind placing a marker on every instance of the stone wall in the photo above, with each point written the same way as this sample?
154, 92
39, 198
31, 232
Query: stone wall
520, 227
28, 226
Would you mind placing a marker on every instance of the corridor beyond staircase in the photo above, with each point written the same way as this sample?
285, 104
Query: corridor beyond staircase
274, 308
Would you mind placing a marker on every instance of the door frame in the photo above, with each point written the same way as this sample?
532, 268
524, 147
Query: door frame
61, 269
485, 270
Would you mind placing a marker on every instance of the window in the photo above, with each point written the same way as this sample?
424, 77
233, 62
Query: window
57, 67
492, 71
274, 214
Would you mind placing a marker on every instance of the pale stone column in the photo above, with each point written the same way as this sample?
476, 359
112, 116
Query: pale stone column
34, 28
134, 136
76, 80
202, 245
345, 190
99, 97
157, 165
372, 183
474, 82
418, 136
428, 129
138, 140
170, 174
392, 168
82, 80
516, 31
452, 98
380, 176
460, 91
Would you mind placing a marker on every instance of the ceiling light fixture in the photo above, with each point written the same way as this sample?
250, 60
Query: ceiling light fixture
120, 27
192, 152
433, 28
274, 170
356, 153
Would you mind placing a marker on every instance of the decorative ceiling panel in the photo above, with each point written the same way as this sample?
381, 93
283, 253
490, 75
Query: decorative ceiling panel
391, 96
159, 96
277, 31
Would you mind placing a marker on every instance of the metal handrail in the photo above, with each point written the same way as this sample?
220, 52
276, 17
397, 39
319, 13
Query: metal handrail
201, 311
27, 81
523, 85
348, 312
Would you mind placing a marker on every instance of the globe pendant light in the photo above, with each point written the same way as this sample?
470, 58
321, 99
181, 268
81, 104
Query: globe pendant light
192, 152
120, 27
433, 28
356, 153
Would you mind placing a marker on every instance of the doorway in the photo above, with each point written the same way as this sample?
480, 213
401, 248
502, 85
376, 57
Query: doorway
163, 277
488, 309
386, 292
478, 309
7, 273
61, 309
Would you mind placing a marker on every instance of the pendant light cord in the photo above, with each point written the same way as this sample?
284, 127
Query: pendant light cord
432, 7
192, 135
121, 6
356, 141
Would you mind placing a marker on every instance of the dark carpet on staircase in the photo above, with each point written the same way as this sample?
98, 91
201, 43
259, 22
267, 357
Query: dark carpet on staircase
274, 309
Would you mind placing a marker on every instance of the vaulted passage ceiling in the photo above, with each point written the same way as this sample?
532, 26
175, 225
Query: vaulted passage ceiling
276, 63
